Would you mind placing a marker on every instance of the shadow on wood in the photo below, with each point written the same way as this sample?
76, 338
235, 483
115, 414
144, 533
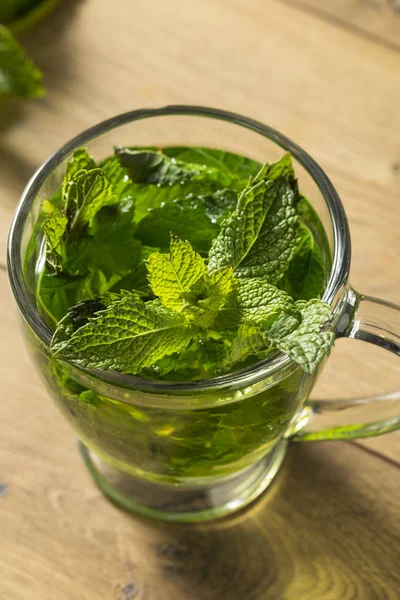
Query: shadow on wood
321, 531
46, 42
46, 45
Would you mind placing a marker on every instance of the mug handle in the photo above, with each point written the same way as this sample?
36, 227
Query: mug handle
377, 322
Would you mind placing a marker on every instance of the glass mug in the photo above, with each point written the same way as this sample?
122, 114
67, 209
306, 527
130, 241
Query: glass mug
189, 451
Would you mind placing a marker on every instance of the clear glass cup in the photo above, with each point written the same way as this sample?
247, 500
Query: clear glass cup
195, 450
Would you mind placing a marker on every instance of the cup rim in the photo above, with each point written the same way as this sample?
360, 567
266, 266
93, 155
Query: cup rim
252, 374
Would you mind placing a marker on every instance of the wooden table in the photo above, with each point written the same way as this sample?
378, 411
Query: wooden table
328, 75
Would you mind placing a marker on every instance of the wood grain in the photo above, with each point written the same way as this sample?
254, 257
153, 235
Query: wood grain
379, 20
328, 528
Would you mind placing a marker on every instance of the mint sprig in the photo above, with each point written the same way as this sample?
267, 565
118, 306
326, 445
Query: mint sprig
255, 301
308, 344
220, 310
170, 276
161, 180
305, 276
259, 238
153, 167
84, 193
126, 336
85, 190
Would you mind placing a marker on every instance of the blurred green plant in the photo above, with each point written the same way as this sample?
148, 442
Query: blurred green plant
12, 9
19, 76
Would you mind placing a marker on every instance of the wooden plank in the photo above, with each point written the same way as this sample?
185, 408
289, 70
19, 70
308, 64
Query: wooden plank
377, 19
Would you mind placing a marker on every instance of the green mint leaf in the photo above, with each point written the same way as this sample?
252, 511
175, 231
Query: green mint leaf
57, 291
80, 160
161, 179
207, 297
309, 349
200, 359
187, 222
147, 197
54, 228
83, 195
108, 252
98, 255
234, 170
285, 324
240, 231
219, 284
117, 175
307, 345
105, 255
170, 276
207, 182
272, 252
114, 221
137, 280
314, 313
12, 9
281, 168
217, 204
311, 219
180, 366
305, 277
151, 197
248, 341
259, 238
152, 167
54, 221
255, 301
112, 245
77, 316
18, 74
127, 336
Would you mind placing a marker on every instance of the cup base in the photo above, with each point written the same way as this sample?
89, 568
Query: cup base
184, 503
